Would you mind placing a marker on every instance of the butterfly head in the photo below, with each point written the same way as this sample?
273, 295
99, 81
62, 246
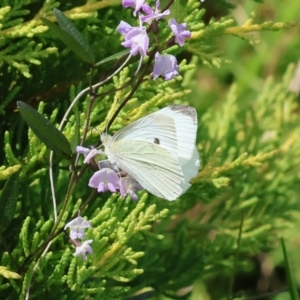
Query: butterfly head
105, 139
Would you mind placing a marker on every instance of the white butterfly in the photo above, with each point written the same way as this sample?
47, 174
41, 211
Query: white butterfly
158, 151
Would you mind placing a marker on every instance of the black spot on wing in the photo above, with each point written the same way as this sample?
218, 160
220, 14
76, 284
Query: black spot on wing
156, 141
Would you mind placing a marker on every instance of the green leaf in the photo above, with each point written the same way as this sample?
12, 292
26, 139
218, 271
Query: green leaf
44, 130
112, 57
8, 200
71, 36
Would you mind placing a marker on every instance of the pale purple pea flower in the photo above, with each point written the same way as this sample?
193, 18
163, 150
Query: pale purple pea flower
105, 179
129, 186
136, 38
153, 14
88, 153
77, 227
136, 4
165, 65
179, 31
83, 248
82, 150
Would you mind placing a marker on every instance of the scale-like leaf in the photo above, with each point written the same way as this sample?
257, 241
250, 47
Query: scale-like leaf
8, 274
8, 200
44, 130
71, 36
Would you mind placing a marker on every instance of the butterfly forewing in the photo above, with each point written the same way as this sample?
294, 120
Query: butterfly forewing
174, 128
153, 129
186, 124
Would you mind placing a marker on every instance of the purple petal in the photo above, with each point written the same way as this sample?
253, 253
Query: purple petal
166, 66
101, 187
133, 195
129, 185
179, 31
96, 179
89, 249
83, 249
90, 155
156, 16
186, 34
82, 150
77, 233
128, 3
127, 44
138, 5
137, 39
134, 50
78, 222
170, 75
111, 187
180, 40
124, 28
147, 9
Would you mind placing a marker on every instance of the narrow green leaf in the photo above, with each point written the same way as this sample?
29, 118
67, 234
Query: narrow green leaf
44, 130
112, 57
8, 200
66, 25
290, 278
69, 41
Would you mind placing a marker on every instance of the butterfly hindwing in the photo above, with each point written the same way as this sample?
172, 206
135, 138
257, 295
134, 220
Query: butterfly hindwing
151, 166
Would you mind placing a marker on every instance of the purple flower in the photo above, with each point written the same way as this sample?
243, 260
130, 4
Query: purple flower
129, 186
151, 14
124, 28
179, 31
88, 153
136, 38
136, 4
165, 65
77, 227
82, 150
105, 179
83, 248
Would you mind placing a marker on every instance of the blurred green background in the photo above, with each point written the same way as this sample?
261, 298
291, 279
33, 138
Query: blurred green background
250, 66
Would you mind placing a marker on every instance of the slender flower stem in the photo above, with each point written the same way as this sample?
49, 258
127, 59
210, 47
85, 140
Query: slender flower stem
135, 87
64, 119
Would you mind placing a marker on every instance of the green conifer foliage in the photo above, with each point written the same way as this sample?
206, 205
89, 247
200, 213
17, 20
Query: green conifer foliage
245, 196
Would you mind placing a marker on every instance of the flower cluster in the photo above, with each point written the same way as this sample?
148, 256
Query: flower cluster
109, 178
137, 39
77, 227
